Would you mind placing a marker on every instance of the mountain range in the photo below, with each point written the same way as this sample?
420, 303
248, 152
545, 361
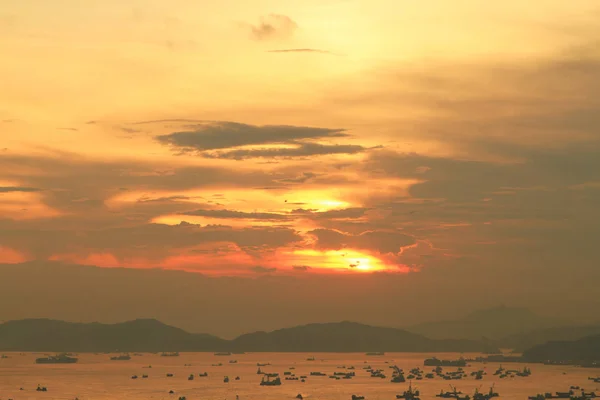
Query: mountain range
149, 335
583, 350
493, 324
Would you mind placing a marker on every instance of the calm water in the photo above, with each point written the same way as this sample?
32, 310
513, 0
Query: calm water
96, 377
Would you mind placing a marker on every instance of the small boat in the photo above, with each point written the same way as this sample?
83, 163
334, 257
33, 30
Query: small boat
409, 394
267, 381
122, 357
58, 359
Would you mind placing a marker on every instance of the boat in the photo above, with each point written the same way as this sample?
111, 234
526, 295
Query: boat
267, 381
398, 378
204, 374
375, 353
409, 394
454, 394
57, 359
223, 354
173, 354
436, 362
484, 396
122, 357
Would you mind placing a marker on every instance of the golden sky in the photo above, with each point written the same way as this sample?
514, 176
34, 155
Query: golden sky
296, 137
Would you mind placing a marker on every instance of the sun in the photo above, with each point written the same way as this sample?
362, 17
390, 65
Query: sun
338, 260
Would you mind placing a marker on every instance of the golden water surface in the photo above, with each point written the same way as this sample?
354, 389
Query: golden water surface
96, 377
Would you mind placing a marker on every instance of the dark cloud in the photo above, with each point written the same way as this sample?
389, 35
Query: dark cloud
225, 139
225, 135
380, 241
273, 26
11, 189
231, 214
165, 199
152, 241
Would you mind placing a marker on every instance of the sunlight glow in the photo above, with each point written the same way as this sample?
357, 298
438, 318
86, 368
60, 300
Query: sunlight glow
340, 260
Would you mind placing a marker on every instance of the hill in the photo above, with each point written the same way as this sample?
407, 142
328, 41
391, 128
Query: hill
139, 335
522, 341
149, 335
347, 337
494, 323
583, 350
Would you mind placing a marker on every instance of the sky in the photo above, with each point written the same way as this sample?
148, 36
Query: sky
298, 161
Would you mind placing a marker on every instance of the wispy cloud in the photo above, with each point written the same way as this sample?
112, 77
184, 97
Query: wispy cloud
273, 26
227, 140
16, 189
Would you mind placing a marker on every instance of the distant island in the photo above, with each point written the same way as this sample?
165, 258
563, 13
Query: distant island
149, 335
505, 327
584, 351
493, 323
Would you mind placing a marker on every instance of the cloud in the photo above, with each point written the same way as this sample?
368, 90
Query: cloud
225, 135
273, 26
379, 241
304, 177
345, 213
149, 241
226, 140
231, 214
13, 189
301, 150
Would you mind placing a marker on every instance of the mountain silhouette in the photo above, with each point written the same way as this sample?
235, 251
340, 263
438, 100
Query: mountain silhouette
346, 337
586, 349
149, 335
139, 335
493, 323
522, 341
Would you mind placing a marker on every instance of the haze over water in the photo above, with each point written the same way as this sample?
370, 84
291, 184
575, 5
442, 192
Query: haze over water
95, 377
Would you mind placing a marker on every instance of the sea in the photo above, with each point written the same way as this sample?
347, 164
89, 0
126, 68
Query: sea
96, 377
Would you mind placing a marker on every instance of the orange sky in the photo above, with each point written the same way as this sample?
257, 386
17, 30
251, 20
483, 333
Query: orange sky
317, 136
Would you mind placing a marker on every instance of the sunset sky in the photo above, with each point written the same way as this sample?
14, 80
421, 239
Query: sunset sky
381, 147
